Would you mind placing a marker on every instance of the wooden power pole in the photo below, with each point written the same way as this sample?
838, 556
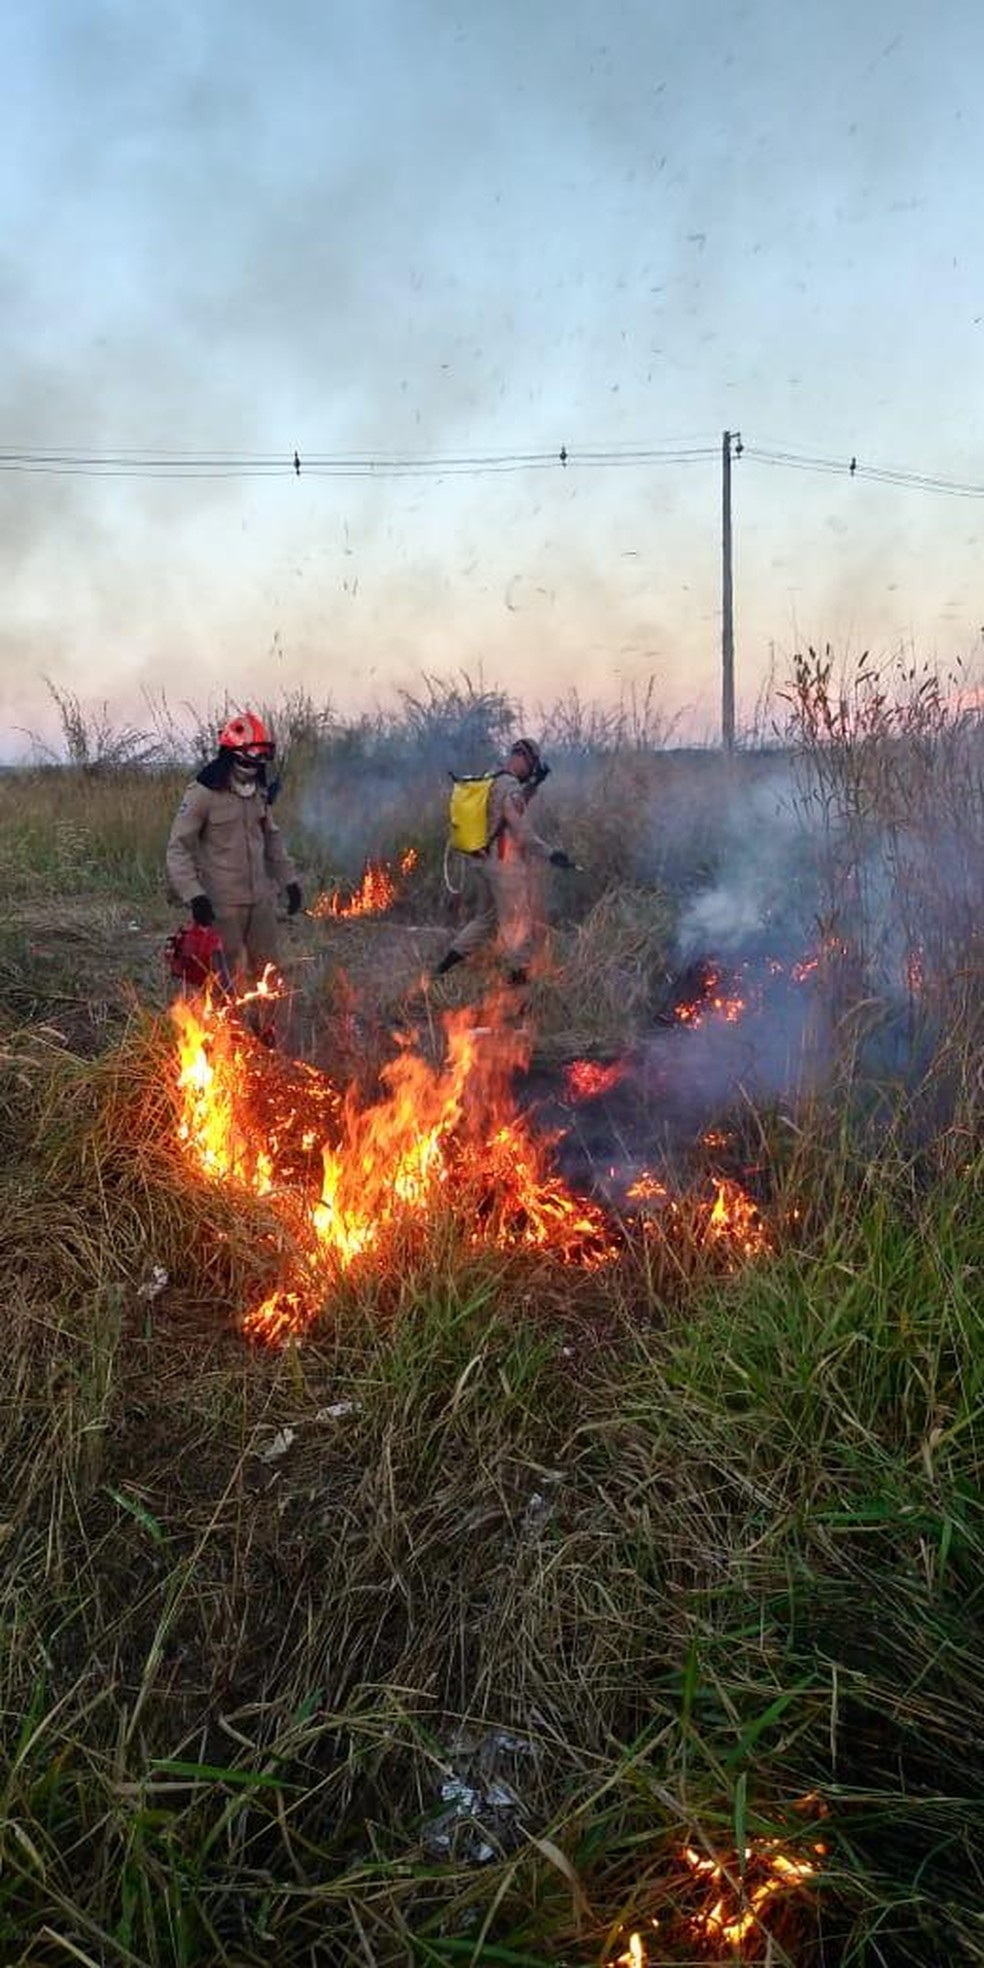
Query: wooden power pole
727, 595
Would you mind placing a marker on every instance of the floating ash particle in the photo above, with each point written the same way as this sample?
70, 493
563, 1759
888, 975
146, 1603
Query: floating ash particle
483, 1811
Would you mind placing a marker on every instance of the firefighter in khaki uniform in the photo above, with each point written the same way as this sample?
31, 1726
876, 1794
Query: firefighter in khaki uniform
504, 868
226, 857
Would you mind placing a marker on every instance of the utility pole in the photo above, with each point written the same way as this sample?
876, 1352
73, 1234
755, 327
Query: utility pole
727, 594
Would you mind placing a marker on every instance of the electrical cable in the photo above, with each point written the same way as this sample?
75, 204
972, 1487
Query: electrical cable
68, 462
621, 455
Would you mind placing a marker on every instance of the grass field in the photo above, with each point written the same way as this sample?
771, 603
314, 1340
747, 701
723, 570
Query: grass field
515, 1610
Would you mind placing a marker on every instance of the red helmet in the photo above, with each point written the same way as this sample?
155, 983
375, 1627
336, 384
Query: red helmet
247, 734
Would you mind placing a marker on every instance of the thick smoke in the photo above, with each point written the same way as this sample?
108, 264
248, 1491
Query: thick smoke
762, 884
825, 941
386, 778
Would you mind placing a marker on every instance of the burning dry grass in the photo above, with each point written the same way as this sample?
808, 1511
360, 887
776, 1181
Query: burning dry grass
379, 888
458, 1629
359, 1182
105, 1189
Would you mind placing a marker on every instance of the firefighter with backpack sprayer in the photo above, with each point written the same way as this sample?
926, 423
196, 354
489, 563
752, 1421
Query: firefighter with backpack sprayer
226, 857
503, 863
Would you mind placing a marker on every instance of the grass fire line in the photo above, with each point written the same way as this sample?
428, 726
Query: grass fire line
378, 889
350, 1179
442, 1138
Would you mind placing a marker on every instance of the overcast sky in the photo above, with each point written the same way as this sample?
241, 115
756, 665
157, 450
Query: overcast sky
426, 226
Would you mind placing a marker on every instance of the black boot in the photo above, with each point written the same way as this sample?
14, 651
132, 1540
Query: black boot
447, 963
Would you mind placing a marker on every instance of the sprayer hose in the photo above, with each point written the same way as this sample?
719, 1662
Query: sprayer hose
448, 883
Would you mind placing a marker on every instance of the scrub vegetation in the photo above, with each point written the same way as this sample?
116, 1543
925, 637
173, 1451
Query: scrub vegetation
481, 1622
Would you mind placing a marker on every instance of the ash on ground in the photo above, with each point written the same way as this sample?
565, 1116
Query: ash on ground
481, 1798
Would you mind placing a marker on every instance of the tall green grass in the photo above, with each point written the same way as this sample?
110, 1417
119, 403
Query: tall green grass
696, 1541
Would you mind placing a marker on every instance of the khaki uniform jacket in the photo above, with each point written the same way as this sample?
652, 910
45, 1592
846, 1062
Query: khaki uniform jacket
512, 834
226, 847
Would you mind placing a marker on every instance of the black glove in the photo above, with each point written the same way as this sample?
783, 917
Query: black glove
539, 774
202, 910
293, 898
559, 859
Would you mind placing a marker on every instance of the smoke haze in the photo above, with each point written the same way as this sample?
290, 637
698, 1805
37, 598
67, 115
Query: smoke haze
419, 229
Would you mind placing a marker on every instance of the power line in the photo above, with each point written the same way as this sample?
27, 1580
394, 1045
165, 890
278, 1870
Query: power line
67, 462
856, 468
147, 463
183, 465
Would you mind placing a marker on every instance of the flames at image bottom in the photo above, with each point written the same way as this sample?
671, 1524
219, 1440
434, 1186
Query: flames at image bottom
730, 1917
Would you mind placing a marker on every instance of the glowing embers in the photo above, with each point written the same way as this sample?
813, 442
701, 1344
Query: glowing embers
377, 891
715, 997
647, 1188
708, 993
588, 1079
831, 954
915, 972
350, 1180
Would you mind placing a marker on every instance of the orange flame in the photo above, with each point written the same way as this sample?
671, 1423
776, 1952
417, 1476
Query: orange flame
734, 1219
647, 1188
730, 1916
635, 1954
348, 1180
806, 967
376, 892
587, 1079
736, 1897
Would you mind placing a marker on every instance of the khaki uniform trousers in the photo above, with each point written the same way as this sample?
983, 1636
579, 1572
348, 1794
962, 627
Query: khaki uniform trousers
249, 939
504, 909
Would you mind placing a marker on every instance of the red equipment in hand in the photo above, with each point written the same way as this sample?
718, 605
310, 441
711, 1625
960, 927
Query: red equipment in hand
195, 956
